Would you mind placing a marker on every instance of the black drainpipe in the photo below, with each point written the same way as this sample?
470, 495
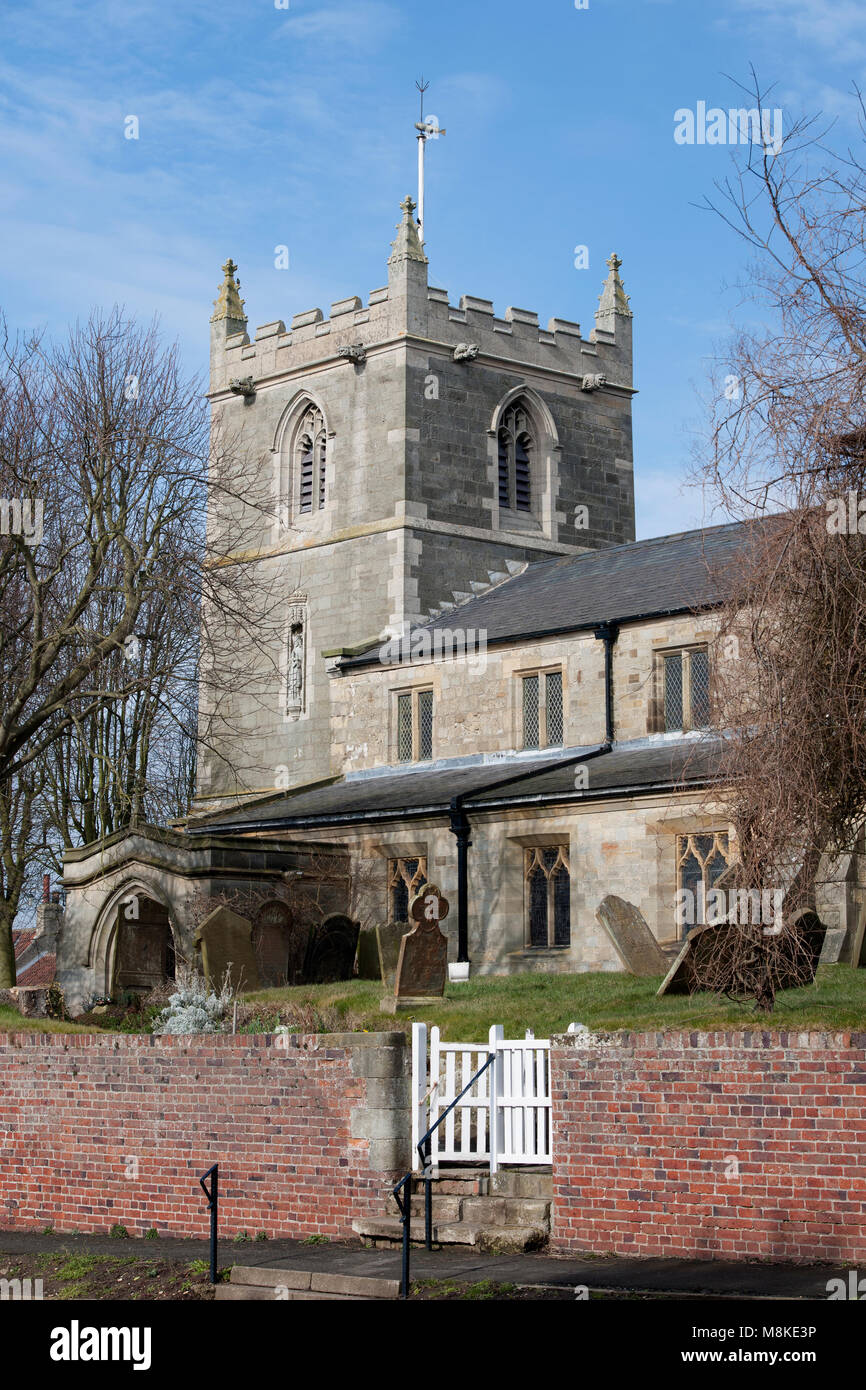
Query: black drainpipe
459, 821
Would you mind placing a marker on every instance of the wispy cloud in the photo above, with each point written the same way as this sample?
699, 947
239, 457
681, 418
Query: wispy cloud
836, 26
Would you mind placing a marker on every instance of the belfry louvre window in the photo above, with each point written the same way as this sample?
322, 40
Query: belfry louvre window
548, 897
516, 445
415, 726
542, 709
686, 682
406, 877
310, 449
701, 860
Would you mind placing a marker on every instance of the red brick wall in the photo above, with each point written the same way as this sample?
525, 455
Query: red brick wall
98, 1129
711, 1145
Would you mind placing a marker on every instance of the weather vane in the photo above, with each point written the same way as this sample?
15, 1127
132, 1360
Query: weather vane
427, 130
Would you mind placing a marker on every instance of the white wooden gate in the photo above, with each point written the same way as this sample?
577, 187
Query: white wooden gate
504, 1116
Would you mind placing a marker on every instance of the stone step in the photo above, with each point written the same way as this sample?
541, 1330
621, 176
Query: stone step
477, 1182
389, 1230
506, 1211
495, 1240
254, 1282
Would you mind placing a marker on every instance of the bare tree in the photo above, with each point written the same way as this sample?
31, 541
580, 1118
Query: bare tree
787, 455
115, 595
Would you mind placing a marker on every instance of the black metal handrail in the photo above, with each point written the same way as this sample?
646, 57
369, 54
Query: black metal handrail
404, 1202
213, 1205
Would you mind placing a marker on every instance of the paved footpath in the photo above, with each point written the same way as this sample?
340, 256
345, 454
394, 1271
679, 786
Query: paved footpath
680, 1278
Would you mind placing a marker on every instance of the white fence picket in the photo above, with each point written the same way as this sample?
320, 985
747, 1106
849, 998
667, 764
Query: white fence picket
504, 1118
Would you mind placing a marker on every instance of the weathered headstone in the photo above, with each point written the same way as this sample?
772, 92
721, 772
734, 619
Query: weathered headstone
422, 965
225, 941
708, 952
368, 955
279, 943
388, 940
635, 944
331, 950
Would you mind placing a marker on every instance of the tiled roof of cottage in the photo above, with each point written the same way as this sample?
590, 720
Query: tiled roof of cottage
668, 574
21, 939
39, 972
427, 789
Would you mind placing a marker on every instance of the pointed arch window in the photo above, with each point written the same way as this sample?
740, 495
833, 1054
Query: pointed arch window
516, 440
310, 450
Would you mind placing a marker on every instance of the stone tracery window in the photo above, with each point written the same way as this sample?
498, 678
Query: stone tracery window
309, 452
548, 896
701, 860
516, 446
406, 877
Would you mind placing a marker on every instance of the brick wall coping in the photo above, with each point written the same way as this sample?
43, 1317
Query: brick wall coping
185, 1042
684, 1040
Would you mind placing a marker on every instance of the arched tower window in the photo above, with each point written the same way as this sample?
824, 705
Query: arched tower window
309, 452
516, 439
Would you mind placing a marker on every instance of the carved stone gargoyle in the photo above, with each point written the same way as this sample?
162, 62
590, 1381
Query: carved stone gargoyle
355, 352
465, 352
593, 382
242, 386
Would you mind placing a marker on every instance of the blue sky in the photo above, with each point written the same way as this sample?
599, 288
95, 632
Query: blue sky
261, 126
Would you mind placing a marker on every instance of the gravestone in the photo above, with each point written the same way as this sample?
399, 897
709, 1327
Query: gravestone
422, 965
225, 941
331, 950
635, 944
707, 949
368, 955
279, 943
388, 939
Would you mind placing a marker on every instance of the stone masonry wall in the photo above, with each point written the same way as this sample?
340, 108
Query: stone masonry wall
98, 1129
711, 1145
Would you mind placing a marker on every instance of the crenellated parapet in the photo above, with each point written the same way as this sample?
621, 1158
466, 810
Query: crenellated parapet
407, 311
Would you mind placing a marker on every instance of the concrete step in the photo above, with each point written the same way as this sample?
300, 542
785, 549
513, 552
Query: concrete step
254, 1282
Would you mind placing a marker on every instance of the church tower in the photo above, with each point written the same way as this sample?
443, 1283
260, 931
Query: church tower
414, 452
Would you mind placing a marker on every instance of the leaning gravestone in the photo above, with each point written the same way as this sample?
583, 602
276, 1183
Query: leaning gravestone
422, 965
331, 950
388, 940
710, 950
225, 941
635, 944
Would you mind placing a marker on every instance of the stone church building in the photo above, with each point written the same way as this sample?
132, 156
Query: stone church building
480, 677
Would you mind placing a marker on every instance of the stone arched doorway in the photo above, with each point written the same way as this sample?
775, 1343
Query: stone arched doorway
144, 954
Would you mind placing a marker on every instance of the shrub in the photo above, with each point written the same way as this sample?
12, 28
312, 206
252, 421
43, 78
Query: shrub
193, 1008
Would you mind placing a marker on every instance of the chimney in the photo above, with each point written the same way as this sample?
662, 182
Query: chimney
49, 917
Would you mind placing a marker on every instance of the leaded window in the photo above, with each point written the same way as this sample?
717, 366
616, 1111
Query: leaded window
701, 860
414, 726
685, 677
516, 445
542, 709
406, 877
548, 897
310, 452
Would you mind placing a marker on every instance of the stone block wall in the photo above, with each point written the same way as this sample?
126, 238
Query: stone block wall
744, 1145
309, 1132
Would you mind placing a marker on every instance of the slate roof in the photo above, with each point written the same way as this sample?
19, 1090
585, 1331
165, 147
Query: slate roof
667, 574
428, 790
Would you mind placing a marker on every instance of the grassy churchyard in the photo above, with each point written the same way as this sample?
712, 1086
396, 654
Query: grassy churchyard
545, 1003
